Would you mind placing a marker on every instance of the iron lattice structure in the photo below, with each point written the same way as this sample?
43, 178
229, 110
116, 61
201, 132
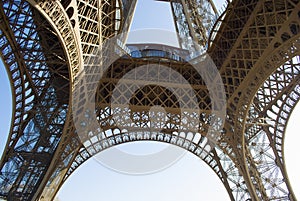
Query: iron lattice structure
254, 44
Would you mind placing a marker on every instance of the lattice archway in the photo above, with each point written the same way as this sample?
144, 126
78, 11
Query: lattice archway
236, 185
184, 129
249, 48
266, 130
190, 170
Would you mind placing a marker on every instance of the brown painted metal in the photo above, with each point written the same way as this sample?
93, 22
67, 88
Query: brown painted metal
255, 45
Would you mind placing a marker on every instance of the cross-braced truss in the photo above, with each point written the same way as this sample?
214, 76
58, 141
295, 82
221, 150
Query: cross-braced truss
254, 44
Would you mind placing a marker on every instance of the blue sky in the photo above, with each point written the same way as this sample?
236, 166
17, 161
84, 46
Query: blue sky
188, 179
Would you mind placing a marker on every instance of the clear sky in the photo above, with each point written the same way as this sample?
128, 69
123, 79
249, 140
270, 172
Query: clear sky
188, 179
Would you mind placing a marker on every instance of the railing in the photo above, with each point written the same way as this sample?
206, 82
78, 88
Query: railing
158, 51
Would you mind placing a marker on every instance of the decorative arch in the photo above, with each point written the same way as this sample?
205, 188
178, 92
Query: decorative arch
184, 129
266, 125
37, 86
281, 64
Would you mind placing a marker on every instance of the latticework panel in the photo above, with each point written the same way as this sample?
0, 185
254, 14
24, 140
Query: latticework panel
98, 21
121, 124
37, 71
92, 22
252, 49
267, 120
38, 47
237, 62
193, 21
274, 49
44, 48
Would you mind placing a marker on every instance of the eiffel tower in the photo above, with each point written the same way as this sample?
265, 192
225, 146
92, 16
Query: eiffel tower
254, 45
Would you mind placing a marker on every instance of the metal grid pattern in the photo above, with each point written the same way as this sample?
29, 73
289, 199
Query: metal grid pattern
38, 87
255, 45
193, 21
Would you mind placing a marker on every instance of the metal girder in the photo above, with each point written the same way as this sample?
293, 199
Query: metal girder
193, 21
91, 30
140, 104
36, 52
40, 90
271, 50
265, 129
255, 45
